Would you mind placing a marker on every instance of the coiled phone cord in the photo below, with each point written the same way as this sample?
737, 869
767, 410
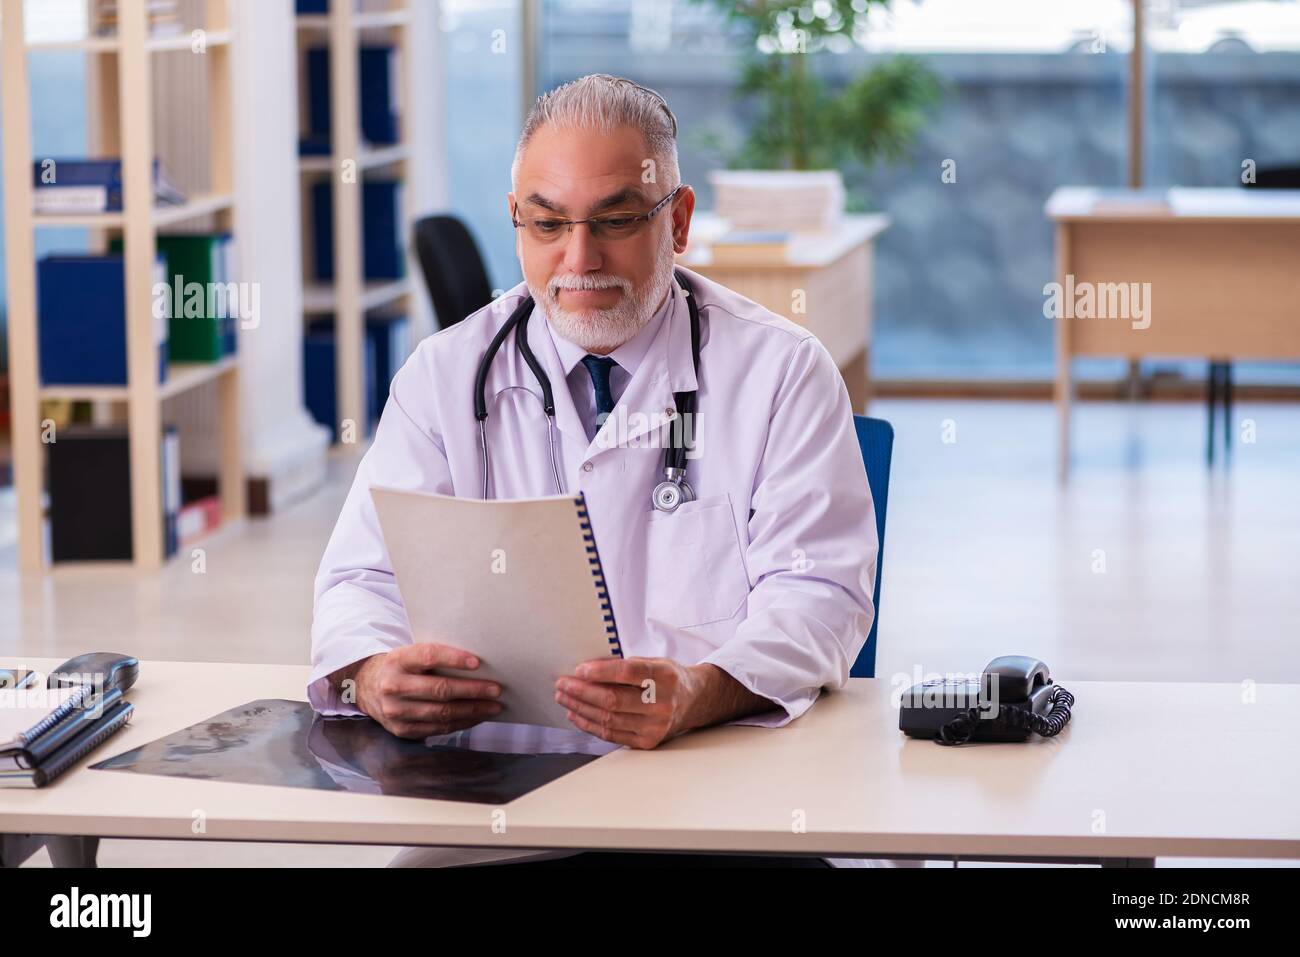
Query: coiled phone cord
962, 728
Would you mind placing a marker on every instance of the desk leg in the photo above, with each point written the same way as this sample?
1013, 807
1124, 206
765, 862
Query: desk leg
1211, 406
1063, 346
65, 850
858, 381
1227, 411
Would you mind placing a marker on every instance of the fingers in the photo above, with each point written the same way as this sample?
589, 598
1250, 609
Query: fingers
623, 671
638, 731
422, 687
608, 697
444, 712
419, 730
628, 738
427, 655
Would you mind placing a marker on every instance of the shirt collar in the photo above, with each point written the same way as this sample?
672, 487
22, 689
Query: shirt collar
630, 354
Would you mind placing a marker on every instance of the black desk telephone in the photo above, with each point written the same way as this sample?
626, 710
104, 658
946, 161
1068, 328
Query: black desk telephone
1012, 698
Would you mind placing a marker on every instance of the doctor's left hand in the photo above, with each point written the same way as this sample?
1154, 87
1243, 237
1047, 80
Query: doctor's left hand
642, 702
639, 702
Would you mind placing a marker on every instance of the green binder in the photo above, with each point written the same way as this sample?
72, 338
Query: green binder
197, 327
201, 324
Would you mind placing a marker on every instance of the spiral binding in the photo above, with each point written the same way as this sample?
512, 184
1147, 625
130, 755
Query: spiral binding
598, 573
59, 714
74, 753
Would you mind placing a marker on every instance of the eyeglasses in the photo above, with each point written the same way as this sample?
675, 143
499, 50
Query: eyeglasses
607, 226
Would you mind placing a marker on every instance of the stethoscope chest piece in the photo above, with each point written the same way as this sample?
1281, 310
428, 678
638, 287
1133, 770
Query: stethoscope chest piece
672, 492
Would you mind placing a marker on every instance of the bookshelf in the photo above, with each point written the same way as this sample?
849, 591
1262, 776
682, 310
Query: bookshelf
348, 26
122, 120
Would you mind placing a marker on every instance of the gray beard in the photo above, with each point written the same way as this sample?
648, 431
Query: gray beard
604, 330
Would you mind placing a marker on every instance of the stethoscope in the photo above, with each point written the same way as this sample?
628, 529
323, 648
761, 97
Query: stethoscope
668, 494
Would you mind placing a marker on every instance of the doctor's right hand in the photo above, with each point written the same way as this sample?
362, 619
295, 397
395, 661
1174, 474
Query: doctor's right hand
402, 690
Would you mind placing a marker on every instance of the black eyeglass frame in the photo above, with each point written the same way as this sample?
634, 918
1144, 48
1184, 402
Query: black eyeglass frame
639, 217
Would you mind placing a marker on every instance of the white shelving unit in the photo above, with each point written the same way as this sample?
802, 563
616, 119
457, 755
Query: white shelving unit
122, 120
344, 30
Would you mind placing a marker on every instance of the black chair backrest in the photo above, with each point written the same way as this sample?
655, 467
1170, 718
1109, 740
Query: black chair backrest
1276, 177
453, 268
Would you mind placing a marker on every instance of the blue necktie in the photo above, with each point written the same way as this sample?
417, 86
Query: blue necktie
598, 367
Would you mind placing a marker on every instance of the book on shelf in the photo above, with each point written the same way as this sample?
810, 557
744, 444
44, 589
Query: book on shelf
198, 519
383, 242
204, 295
81, 320
164, 18
387, 343
89, 479
379, 101
91, 186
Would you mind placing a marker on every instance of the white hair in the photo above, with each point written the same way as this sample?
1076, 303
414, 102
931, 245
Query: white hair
606, 103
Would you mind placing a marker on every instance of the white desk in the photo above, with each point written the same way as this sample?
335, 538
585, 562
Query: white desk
1144, 770
832, 269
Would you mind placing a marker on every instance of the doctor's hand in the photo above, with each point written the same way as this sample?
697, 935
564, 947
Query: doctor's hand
643, 702
402, 690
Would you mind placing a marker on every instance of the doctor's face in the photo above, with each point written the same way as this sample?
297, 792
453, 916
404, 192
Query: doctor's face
598, 290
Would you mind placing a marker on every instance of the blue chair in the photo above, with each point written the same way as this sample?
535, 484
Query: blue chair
876, 437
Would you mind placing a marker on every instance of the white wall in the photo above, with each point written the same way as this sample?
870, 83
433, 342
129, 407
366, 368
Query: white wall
281, 441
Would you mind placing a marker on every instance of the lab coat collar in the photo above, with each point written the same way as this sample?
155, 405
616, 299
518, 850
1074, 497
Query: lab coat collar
665, 368
629, 355
648, 404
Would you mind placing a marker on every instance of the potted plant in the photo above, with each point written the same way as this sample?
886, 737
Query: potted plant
803, 124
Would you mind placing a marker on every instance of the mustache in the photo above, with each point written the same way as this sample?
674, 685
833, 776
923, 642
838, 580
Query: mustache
586, 283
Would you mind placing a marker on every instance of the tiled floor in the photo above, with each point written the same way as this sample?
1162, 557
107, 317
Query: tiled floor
1147, 566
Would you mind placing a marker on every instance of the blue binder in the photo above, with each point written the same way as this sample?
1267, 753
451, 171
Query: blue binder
82, 324
381, 217
318, 365
378, 95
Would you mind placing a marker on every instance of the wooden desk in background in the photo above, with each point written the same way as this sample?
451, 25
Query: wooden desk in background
1224, 269
833, 269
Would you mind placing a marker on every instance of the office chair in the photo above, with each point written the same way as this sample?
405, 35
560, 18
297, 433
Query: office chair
453, 268
876, 439
1219, 381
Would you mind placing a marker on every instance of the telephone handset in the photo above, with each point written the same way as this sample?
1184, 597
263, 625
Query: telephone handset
1013, 697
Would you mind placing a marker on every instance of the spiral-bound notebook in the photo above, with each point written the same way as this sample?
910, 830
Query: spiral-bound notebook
519, 583
38, 742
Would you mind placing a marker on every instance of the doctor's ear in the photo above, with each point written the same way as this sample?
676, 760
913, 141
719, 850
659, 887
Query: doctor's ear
683, 209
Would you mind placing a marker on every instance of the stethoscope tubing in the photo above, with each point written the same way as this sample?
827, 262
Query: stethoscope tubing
674, 457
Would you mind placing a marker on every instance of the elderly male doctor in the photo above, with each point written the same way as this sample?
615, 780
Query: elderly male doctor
741, 605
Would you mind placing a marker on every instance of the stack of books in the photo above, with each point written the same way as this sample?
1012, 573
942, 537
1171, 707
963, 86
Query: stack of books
89, 186
778, 199
164, 18
750, 248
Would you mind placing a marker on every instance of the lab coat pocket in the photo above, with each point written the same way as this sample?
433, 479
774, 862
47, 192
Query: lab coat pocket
697, 565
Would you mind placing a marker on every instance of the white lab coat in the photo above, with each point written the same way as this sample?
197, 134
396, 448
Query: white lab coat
768, 574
